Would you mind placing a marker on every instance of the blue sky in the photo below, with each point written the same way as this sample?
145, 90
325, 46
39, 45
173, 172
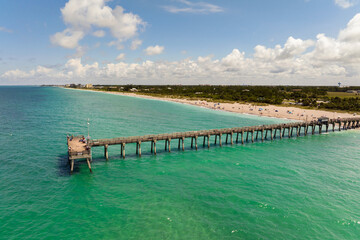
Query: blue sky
191, 42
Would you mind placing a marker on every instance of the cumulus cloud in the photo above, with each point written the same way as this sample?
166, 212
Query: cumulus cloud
81, 16
68, 38
40, 72
154, 50
323, 60
120, 57
344, 3
99, 33
292, 48
194, 7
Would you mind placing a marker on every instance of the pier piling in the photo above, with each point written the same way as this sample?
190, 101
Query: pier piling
106, 153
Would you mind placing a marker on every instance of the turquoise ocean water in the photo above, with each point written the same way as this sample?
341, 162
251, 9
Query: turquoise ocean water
300, 188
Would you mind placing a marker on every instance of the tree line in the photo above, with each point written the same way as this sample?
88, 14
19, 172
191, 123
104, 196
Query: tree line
308, 96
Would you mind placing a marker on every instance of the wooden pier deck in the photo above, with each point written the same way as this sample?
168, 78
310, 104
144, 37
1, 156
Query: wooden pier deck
240, 134
78, 149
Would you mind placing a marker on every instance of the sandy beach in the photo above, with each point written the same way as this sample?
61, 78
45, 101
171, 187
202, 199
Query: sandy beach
285, 112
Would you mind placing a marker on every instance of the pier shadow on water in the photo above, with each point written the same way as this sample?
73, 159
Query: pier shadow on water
63, 165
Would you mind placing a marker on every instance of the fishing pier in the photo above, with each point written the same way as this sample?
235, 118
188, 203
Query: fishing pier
78, 148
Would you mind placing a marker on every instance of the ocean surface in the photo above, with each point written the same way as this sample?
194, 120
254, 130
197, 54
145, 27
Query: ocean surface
299, 188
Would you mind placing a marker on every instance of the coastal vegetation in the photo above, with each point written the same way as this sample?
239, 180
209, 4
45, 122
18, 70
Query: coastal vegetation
321, 97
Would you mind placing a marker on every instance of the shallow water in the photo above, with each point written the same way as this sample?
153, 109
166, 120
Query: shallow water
300, 188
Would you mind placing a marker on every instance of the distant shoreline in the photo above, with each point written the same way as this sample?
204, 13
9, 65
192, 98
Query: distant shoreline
272, 111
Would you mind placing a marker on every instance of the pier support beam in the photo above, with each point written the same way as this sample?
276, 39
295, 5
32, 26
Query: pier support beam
242, 137
123, 150
262, 135
169, 147
252, 135
89, 164
72, 165
271, 132
196, 145
106, 154
289, 136
154, 146
220, 139
280, 133
208, 141
231, 135
183, 146
139, 146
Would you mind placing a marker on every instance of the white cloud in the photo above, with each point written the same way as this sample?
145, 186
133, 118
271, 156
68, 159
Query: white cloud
40, 72
194, 7
324, 60
74, 68
17, 73
344, 49
154, 50
205, 59
352, 31
135, 44
344, 3
67, 39
99, 33
120, 57
292, 48
82, 15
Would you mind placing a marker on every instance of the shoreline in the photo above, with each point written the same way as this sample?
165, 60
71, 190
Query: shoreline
272, 111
